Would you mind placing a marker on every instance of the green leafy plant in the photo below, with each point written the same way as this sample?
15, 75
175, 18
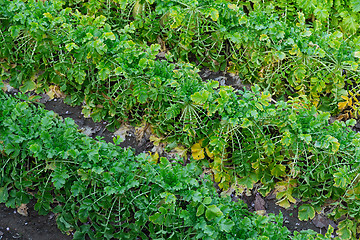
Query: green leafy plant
100, 190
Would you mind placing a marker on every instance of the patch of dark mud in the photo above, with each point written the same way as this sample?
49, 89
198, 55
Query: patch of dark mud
30, 227
266, 205
224, 79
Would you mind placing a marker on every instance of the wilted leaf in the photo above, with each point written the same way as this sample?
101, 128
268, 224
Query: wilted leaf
22, 210
122, 131
283, 203
197, 151
154, 158
342, 105
54, 91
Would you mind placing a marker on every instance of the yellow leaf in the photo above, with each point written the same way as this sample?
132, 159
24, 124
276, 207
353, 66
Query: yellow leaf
231, 6
155, 140
54, 91
283, 203
210, 154
224, 185
263, 37
342, 105
289, 197
217, 175
154, 158
345, 98
197, 151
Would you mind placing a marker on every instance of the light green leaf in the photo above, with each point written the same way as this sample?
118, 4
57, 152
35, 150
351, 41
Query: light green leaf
109, 35
80, 76
143, 62
248, 181
207, 200
351, 122
300, 73
280, 55
306, 212
100, 20
355, 5
200, 210
226, 225
278, 170
212, 212
71, 46
214, 14
346, 229
341, 178
118, 71
306, 137
104, 73
28, 86
200, 97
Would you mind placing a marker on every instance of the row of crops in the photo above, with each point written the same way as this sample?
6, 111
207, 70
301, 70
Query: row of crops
301, 58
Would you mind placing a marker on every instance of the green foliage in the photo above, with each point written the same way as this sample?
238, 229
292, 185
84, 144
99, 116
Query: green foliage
248, 137
117, 194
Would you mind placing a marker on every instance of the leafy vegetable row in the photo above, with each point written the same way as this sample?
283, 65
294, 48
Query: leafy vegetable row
287, 146
100, 190
269, 43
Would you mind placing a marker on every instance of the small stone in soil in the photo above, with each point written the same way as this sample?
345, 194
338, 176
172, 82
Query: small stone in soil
16, 235
1, 233
7, 229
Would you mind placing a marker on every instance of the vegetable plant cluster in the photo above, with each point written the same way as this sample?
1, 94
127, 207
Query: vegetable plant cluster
94, 53
102, 191
291, 47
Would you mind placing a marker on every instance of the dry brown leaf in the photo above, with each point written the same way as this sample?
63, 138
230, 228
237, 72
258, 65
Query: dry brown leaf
259, 203
142, 131
54, 91
22, 210
260, 212
123, 131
